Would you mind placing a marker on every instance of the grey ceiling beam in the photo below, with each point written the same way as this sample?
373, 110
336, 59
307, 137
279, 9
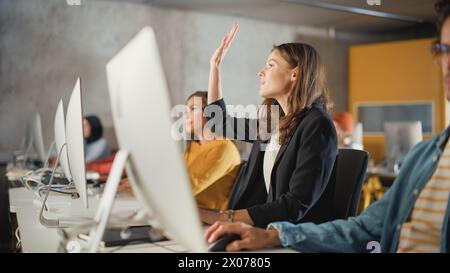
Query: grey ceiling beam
355, 10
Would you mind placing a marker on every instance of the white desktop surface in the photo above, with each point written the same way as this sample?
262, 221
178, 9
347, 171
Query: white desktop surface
36, 238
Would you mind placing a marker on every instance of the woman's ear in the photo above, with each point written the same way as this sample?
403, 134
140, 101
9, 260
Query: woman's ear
294, 74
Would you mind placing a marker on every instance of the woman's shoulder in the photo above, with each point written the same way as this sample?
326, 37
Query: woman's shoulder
222, 144
225, 146
99, 142
317, 114
315, 120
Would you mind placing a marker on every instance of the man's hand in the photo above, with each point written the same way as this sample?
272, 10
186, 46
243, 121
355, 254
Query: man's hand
251, 238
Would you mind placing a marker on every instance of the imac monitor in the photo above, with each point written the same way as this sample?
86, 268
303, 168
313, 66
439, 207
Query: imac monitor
357, 137
75, 142
400, 137
37, 138
26, 139
60, 139
141, 112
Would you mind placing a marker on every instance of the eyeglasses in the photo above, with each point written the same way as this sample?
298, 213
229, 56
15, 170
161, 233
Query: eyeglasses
439, 51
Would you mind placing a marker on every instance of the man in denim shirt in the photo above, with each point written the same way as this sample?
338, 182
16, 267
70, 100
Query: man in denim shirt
383, 222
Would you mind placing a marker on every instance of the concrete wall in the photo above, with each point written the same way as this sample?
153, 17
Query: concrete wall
335, 57
249, 52
46, 44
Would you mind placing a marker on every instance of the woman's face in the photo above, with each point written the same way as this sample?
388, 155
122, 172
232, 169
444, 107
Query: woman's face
195, 120
276, 77
86, 129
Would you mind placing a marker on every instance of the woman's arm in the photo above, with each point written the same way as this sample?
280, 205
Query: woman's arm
214, 86
210, 217
234, 128
222, 124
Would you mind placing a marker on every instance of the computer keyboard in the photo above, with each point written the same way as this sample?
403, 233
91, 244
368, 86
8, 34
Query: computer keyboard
131, 235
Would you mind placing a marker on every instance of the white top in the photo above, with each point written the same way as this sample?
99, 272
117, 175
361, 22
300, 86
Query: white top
270, 155
97, 150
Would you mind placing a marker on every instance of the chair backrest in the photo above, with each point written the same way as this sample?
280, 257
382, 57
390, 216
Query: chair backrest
350, 169
236, 185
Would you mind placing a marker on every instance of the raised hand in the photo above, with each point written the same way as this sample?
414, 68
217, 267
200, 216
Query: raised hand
214, 86
221, 51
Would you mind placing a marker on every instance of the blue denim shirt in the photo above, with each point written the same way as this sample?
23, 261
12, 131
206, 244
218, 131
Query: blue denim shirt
382, 221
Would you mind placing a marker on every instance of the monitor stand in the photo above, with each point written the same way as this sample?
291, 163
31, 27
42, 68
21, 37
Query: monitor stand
105, 206
97, 232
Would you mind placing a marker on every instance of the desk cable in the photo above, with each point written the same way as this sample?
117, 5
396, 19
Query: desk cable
19, 241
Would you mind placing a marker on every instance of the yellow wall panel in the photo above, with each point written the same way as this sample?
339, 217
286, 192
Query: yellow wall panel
394, 72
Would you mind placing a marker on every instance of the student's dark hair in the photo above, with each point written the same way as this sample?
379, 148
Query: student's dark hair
201, 94
443, 12
96, 128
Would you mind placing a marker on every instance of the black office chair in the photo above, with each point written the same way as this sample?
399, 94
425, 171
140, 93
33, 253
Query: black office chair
349, 172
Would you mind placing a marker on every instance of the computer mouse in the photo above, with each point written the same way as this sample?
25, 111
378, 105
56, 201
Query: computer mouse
222, 243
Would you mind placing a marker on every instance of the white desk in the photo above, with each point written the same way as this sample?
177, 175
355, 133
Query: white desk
38, 238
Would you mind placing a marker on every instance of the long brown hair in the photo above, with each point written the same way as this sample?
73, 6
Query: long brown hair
309, 87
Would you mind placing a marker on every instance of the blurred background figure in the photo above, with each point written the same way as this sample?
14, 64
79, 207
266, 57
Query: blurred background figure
96, 147
349, 133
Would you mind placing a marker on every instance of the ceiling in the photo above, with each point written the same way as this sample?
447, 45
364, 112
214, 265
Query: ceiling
288, 12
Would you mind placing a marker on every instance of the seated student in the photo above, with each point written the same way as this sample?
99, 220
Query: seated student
287, 171
212, 162
96, 148
413, 216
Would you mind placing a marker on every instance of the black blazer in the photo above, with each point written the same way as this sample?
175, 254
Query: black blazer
300, 174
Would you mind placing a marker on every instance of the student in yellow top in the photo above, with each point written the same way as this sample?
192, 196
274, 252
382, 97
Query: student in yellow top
212, 162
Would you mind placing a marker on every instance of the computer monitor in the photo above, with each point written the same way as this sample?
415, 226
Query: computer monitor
60, 139
357, 137
141, 113
400, 137
75, 142
24, 142
35, 139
